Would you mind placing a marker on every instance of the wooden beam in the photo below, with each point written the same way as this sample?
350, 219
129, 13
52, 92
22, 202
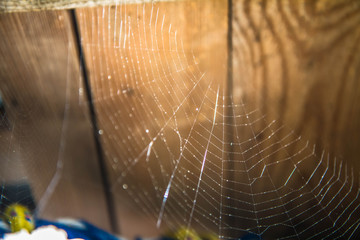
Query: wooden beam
34, 5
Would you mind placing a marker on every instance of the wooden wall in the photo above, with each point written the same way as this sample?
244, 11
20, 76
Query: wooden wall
297, 62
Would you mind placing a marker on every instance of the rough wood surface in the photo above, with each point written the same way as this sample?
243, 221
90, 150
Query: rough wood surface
45, 132
299, 62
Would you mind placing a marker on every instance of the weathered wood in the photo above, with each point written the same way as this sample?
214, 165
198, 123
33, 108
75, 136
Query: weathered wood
47, 134
146, 64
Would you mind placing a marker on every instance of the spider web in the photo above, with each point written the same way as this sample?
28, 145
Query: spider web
190, 155
186, 153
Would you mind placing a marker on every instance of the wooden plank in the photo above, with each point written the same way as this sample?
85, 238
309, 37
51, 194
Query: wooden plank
155, 70
298, 62
46, 138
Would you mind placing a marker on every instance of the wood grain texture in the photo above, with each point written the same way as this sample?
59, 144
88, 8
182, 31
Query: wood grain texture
146, 64
35, 5
47, 132
299, 62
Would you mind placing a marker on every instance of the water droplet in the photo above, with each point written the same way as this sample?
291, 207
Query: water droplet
147, 130
125, 186
109, 77
101, 132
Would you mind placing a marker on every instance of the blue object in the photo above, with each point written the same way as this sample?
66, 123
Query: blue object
251, 236
87, 231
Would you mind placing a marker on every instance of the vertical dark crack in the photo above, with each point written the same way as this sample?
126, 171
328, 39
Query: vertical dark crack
110, 205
